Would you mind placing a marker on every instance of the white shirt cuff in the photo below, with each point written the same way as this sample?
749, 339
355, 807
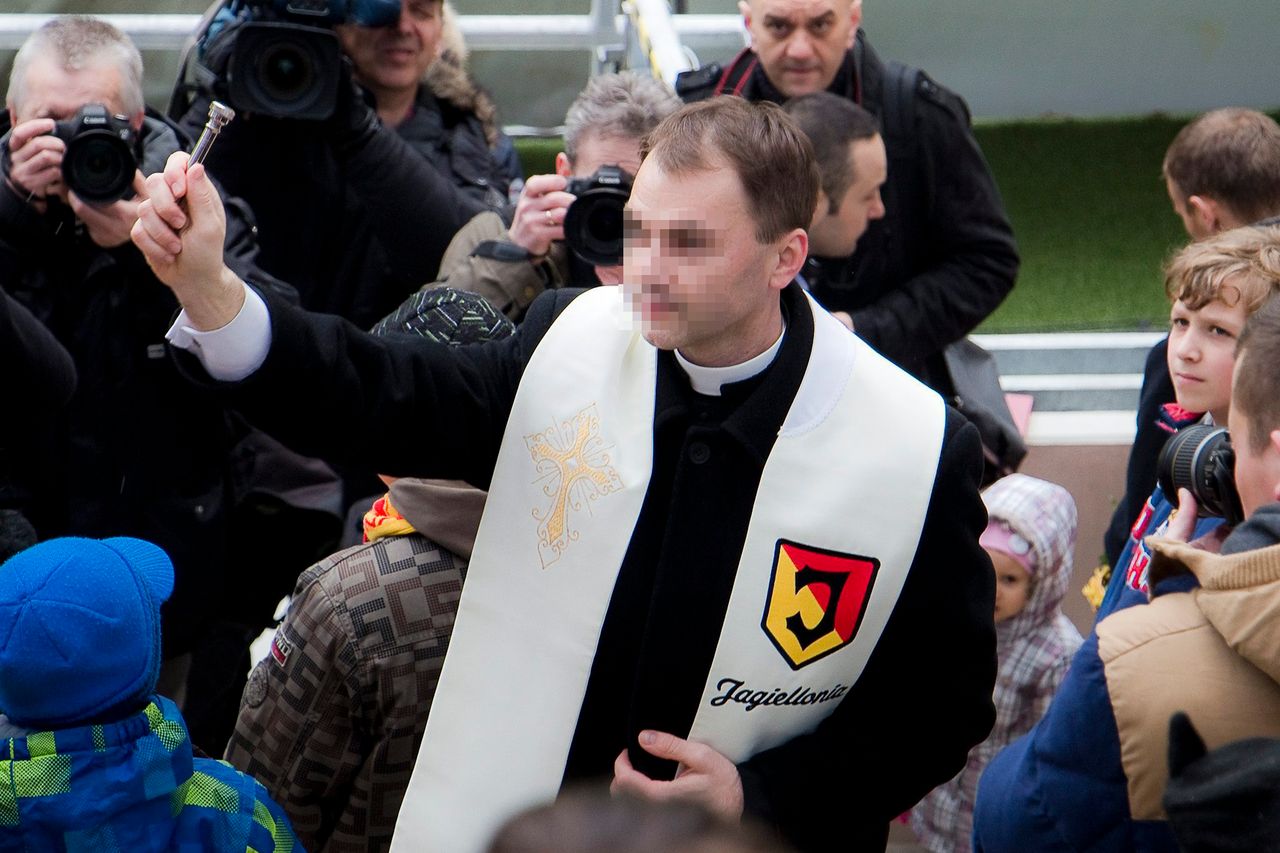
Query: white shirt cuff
234, 351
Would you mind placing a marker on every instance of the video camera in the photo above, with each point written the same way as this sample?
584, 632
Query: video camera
593, 223
1200, 459
100, 160
285, 60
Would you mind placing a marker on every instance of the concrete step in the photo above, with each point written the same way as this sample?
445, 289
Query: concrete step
1085, 384
1070, 352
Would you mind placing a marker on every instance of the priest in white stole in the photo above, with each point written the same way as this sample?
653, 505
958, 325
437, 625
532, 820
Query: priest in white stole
729, 554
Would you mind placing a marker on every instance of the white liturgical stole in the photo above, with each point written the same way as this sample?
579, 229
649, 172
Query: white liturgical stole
832, 535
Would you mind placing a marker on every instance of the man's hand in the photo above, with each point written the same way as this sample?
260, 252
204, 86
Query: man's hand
705, 776
540, 213
109, 224
843, 317
1182, 522
184, 246
35, 160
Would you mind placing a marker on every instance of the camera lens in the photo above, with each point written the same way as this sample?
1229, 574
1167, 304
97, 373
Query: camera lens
99, 167
604, 225
285, 72
1200, 459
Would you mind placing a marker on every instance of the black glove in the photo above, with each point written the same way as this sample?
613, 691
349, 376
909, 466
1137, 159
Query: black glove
1224, 800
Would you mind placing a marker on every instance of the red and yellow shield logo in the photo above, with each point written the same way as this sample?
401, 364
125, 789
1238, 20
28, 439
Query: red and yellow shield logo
816, 600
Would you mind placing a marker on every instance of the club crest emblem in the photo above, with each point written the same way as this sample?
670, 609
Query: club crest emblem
816, 600
573, 464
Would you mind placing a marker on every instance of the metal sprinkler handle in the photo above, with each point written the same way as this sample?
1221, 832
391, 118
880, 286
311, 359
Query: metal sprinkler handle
219, 116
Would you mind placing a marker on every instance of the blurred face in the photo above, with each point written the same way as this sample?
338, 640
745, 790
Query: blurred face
1013, 585
694, 274
1202, 347
835, 235
801, 43
1257, 473
394, 58
595, 151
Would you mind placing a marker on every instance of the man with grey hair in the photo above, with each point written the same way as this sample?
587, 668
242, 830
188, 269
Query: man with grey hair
136, 452
509, 259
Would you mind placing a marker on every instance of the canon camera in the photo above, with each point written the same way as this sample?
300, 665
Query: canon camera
286, 60
1200, 459
99, 163
593, 224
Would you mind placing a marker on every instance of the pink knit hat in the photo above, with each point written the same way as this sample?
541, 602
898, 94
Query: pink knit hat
1000, 537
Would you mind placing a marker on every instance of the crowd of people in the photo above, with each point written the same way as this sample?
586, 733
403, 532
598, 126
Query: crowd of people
668, 541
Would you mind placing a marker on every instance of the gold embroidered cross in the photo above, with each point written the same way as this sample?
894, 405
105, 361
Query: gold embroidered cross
573, 466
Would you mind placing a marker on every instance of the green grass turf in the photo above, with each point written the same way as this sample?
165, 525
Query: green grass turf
1090, 213
1092, 219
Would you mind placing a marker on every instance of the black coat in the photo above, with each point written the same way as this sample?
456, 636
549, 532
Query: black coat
1148, 440
943, 257
925, 697
39, 378
137, 451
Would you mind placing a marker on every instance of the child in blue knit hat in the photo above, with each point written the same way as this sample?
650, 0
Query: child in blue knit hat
94, 760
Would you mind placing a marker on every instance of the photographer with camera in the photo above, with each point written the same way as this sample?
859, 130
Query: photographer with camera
566, 228
1089, 776
137, 451
356, 200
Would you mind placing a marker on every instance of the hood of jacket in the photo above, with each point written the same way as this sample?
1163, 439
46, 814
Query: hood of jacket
122, 775
448, 78
1044, 514
445, 511
1240, 589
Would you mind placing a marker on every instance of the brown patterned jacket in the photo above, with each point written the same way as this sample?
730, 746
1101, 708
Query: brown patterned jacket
331, 720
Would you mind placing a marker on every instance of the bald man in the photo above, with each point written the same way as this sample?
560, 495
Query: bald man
943, 257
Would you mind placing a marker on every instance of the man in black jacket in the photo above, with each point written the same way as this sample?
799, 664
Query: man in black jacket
657, 594
135, 452
943, 256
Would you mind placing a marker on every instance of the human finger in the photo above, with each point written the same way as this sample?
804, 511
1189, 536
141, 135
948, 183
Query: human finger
175, 173
157, 255
157, 227
162, 200
31, 129
1182, 522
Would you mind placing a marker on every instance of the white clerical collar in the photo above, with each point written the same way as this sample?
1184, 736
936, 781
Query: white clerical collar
708, 380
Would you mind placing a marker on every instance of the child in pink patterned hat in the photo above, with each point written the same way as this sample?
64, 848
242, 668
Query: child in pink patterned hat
1030, 538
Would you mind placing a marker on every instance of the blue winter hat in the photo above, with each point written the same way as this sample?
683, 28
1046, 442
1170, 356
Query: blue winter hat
80, 629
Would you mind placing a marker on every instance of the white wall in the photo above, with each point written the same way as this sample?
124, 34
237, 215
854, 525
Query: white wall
1020, 58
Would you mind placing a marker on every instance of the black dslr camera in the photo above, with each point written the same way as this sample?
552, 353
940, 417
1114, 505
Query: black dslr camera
286, 60
1200, 459
593, 224
100, 162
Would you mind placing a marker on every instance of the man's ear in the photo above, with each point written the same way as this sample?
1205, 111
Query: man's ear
855, 21
792, 251
563, 167
1275, 448
745, 8
1204, 210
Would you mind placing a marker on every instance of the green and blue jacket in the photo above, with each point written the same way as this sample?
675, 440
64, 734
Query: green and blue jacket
131, 785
